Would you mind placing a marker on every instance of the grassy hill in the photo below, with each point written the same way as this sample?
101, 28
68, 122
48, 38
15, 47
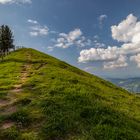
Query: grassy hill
42, 98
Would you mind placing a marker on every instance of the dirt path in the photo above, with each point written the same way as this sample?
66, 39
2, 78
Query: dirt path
7, 107
17, 88
23, 78
7, 124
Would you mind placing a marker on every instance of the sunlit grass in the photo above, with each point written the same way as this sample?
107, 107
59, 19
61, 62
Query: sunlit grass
62, 102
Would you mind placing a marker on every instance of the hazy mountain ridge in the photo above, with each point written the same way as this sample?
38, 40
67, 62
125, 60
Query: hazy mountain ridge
130, 84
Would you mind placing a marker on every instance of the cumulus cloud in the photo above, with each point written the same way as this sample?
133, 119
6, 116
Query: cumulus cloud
98, 54
128, 32
36, 29
74, 37
14, 1
118, 63
136, 59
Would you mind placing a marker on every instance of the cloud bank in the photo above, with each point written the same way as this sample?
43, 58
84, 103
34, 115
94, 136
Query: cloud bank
127, 32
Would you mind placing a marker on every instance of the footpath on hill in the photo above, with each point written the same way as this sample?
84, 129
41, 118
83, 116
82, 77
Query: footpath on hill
7, 107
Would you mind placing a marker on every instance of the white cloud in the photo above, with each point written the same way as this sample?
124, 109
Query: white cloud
14, 1
50, 48
128, 32
96, 37
39, 30
32, 21
33, 33
98, 44
74, 37
36, 29
136, 59
98, 54
118, 63
101, 19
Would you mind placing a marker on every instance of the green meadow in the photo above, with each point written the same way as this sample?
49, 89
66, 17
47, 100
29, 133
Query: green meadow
43, 98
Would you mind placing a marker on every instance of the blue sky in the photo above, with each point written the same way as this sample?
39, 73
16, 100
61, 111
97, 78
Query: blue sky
99, 36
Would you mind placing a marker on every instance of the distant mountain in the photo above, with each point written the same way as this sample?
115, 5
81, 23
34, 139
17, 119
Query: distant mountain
130, 84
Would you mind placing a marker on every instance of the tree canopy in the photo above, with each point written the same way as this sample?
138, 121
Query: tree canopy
6, 40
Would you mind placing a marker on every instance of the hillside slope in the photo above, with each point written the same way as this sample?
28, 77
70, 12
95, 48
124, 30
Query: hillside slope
42, 98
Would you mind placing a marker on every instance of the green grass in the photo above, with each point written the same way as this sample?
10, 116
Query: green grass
62, 102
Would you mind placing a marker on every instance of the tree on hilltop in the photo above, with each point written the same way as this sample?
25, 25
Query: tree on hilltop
6, 40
